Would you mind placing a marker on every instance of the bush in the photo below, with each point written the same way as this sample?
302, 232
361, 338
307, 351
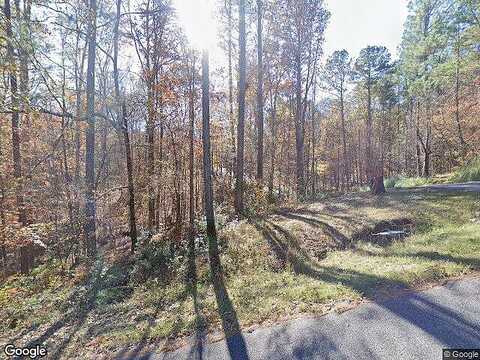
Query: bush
113, 295
257, 200
468, 172
411, 182
392, 181
153, 260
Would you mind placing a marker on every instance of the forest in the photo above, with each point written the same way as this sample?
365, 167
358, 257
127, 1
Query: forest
129, 154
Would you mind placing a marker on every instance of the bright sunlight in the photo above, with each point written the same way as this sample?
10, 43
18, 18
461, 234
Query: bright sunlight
198, 21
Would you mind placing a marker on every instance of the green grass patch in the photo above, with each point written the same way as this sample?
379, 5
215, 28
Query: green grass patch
468, 172
412, 182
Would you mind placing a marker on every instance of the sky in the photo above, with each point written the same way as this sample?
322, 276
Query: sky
197, 19
354, 24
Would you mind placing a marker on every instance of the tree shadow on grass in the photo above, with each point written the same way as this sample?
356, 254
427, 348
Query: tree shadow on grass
473, 263
394, 199
76, 316
440, 322
146, 338
237, 347
279, 248
101, 285
196, 351
436, 256
199, 339
22, 334
234, 339
338, 237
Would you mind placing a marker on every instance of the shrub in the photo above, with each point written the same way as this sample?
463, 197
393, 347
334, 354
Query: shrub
391, 181
257, 200
411, 182
468, 172
153, 260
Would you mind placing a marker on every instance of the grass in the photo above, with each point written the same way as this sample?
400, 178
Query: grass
400, 182
295, 262
466, 173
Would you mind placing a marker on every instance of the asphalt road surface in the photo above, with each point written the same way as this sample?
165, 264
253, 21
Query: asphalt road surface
472, 186
414, 326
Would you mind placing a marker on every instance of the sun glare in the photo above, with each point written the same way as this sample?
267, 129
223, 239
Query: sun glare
198, 21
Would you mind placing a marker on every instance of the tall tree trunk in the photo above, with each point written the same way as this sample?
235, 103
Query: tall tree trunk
418, 154
17, 157
207, 169
417, 141
230, 90
406, 148
3, 220
273, 147
299, 131
23, 54
457, 96
150, 157
239, 184
369, 154
122, 122
259, 93
90, 205
131, 190
160, 197
427, 152
78, 114
24, 84
373, 164
314, 136
66, 171
191, 197
346, 163
426, 164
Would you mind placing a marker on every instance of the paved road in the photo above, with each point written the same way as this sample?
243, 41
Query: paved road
473, 186
414, 326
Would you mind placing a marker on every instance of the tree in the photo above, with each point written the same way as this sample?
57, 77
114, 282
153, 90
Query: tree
371, 65
304, 23
15, 103
122, 122
239, 184
191, 170
274, 73
435, 51
388, 101
336, 74
90, 205
150, 29
207, 168
232, 155
259, 93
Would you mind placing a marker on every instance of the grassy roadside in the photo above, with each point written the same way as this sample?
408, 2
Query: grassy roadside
299, 261
466, 173
400, 182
